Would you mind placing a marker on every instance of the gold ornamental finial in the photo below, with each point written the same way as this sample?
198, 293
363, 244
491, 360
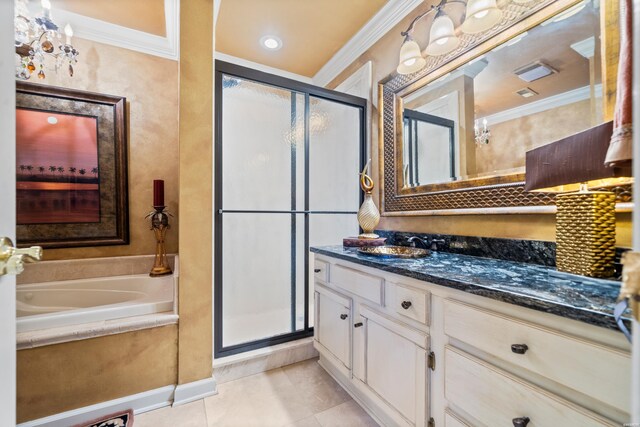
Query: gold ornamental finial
366, 183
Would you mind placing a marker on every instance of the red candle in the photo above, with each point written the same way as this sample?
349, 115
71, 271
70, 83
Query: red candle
158, 192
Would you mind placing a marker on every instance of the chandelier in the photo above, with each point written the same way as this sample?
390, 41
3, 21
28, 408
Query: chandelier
482, 134
36, 40
480, 15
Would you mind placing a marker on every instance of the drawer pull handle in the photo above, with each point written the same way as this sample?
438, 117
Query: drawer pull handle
357, 325
344, 316
521, 421
519, 348
405, 304
317, 270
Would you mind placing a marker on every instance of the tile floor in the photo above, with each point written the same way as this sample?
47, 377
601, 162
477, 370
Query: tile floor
298, 395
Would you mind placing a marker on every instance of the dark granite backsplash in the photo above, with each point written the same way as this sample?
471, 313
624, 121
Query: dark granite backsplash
529, 251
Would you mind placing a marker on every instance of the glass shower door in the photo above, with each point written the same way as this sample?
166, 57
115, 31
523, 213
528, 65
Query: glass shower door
287, 166
260, 162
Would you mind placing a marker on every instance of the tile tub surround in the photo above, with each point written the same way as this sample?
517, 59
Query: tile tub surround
527, 285
71, 269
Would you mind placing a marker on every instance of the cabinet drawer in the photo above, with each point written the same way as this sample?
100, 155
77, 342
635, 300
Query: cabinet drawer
589, 368
495, 398
412, 303
321, 271
358, 283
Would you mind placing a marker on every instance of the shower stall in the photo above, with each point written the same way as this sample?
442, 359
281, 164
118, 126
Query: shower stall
287, 157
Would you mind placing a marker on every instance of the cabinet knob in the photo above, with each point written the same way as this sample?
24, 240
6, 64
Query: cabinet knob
519, 348
357, 325
344, 316
520, 421
317, 270
405, 304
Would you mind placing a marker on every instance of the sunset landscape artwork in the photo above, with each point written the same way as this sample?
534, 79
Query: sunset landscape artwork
57, 168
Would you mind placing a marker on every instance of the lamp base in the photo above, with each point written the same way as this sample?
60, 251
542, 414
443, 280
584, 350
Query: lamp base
586, 233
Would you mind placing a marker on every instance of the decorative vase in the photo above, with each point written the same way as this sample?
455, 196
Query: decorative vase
368, 214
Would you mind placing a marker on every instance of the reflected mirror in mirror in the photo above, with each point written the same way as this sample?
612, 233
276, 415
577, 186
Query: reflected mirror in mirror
480, 120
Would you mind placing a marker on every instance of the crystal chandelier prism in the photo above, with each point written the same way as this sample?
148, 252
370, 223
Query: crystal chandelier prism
36, 40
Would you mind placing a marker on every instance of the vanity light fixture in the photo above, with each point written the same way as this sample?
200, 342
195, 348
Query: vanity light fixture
36, 39
271, 42
480, 16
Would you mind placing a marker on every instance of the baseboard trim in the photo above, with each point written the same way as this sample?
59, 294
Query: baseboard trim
185, 393
141, 402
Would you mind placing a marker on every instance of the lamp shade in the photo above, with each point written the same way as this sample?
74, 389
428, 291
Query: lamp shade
411, 59
562, 165
481, 15
442, 36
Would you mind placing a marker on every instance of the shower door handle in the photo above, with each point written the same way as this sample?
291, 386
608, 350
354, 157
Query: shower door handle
12, 259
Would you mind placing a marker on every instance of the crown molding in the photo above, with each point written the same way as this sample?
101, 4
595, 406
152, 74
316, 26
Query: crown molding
99, 31
382, 22
554, 101
261, 67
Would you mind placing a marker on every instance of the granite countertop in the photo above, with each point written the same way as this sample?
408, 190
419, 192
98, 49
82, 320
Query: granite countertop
527, 285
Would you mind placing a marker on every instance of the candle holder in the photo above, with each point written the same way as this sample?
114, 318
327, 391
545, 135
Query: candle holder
159, 225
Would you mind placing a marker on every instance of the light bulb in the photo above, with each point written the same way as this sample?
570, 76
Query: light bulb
68, 31
442, 37
411, 59
481, 16
46, 8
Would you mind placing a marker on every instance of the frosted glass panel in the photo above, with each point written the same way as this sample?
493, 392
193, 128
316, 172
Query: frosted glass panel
334, 155
331, 229
260, 123
256, 268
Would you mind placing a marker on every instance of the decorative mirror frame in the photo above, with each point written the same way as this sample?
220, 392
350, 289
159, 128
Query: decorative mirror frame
487, 195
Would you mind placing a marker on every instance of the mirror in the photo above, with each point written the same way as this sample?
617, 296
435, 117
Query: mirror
480, 119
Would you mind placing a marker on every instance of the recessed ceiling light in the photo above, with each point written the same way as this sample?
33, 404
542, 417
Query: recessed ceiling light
52, 120
271, 42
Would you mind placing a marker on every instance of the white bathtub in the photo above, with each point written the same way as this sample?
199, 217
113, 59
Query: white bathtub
74, 302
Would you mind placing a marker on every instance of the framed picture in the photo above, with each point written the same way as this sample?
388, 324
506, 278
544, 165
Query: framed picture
71, 168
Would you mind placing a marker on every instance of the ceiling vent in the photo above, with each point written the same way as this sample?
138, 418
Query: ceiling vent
534, 71
526, 92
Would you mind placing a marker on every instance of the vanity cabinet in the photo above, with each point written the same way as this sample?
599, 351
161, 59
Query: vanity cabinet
333, 324
414, 353
395, 364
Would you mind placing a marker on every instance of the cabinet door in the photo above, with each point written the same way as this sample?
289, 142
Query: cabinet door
333, 324
395, 360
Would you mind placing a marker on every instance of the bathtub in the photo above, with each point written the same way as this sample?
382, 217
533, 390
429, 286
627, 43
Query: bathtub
73, 302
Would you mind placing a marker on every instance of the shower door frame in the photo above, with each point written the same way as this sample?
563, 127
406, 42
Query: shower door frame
225, 68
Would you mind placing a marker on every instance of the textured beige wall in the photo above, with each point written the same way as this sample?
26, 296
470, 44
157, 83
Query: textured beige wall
384, 57
196, 190
150, 85
62, 377
511, 140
